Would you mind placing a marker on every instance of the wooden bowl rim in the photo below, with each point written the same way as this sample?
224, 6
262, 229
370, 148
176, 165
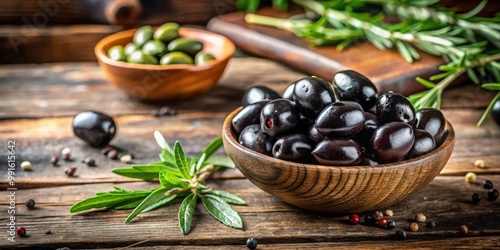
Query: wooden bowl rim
229, 49
227, 133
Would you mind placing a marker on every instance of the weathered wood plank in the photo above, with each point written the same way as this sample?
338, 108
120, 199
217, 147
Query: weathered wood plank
445, 201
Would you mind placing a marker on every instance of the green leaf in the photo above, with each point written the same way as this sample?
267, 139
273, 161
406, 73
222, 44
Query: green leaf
426, 83
181, 160
169, 179
227, 196
145, 172
212, 147
487, 111
199, 164
222, 211
474, 11
162, 142
472, 75
404, 51
108, 200
186, 212
439, 76
491, 86
153, 198
129, 204
222, 161
162, 202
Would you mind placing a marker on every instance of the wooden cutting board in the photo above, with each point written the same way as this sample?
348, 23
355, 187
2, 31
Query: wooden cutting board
387, 69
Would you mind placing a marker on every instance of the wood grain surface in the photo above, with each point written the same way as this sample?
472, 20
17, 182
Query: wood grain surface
37, 103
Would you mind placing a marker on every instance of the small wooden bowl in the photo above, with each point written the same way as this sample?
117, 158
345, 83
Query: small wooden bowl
165, 82
337, 189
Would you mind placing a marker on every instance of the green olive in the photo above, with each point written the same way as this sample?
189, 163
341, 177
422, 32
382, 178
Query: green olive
188, 46
131, 47
176, 57
167, 32
141, 58
143, 34
202, 58
154, 48
116, 53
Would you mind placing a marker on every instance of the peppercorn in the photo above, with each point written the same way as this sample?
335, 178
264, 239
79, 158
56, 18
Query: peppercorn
470, 177
487, 184
107, 149
382, 222
155, 113
26, 165
413, 226
66, 154
420, 218
113, 154
354, 219
30, 203
391, 224
431, 224
54, 160
21, 231
401, 234
389, 213
479, 164
251, 243
90, 162
464, 229
369, 220
492, 194
476, 198
377, 215
48, 232
165, 110
70, 171
126, 159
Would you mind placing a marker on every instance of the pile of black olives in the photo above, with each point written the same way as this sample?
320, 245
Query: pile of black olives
163, 46
343, 124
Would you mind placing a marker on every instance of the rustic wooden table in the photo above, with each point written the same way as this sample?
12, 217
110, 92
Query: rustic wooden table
37, 103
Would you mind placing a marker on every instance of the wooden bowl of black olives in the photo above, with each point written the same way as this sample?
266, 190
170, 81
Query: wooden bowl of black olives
336, 147
166, 63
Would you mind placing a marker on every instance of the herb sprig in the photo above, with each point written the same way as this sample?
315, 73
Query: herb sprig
468, 43
181, 177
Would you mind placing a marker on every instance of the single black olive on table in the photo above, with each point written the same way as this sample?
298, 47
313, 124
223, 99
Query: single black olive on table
95, 128
391, 142
295, 147
253, 138
424, 143
279, 117
257, 94
350, 85
432, 121
341, 119
393, 107
338, 152
248, 115
312, 95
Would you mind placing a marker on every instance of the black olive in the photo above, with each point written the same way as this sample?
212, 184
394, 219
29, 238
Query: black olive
279, 117
296, 148
424, 143
257, 94
391, 142
253, 138
392, 107
288, 93
312, 94
432, 121
314, 134
341, 119
371, 123
248, 115
495, 112
95, 128
350, 85
338, 152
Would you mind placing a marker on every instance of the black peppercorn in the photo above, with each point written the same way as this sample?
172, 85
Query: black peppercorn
113, 154
70, 171
30, 203
369, 220
54, 160
251, 243
487, 184
492, 194
431, 224
401, 234
391, 224
476, 198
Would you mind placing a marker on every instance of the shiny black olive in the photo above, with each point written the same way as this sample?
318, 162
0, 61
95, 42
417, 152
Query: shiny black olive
312, 94
288, 93
495, 112
338, 152
350, 85
253, 138
257, 94
279, 117
432, 121
424, 143
295, 147
95, 128
248, 115
391, 142
393, 107
341, 119
371, 123
314, 134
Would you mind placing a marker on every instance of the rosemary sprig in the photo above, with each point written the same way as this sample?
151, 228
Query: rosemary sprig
180, 176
